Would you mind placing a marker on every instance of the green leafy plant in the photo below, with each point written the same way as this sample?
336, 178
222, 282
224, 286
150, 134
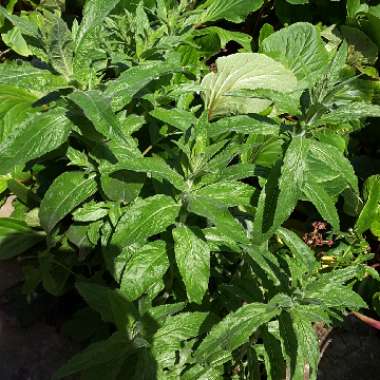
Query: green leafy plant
165, 192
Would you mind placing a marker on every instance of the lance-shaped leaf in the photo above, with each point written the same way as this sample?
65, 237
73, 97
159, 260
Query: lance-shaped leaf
325, 156
155, 166
16, 238
131, 81
300, 48
229, 194
322, 201
300, 345
244, 71
220, 216
145, 218
58, 44
244, 124
233, 331
193, 260
176, 117
174, 331
16, 105
94, 12
346, 113
146, 267
29, 77
233, 10
301, 252
25, 26
115, 348
112, 305
66, 193
32, 139
282, 190
370, 209
97, 108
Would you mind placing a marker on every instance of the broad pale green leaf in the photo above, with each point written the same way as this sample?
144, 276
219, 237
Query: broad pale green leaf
244, 124
229, 194
282, 102
176, 117
300, 345
244, 71
369, 212
300, 48
16, 237
133, 80
146, 266
67, 192
97, 108
145, 218
193, 260
94, 13
282, 191
322, 201
111, 304
39, 135
233, 331
232, 10
26, 76
100, 353
155, 166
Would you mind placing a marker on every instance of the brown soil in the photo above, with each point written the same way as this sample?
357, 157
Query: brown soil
28, 351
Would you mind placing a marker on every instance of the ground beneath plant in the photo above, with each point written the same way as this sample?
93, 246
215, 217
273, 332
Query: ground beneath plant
33, 349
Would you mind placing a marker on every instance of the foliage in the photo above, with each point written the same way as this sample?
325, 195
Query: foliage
167, 191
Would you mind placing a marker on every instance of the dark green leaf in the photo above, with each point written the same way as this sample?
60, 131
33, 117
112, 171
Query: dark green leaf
16, 238
193, 260
145, 218
131, 81
146, 266
34, 138
67, 192
232, 332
